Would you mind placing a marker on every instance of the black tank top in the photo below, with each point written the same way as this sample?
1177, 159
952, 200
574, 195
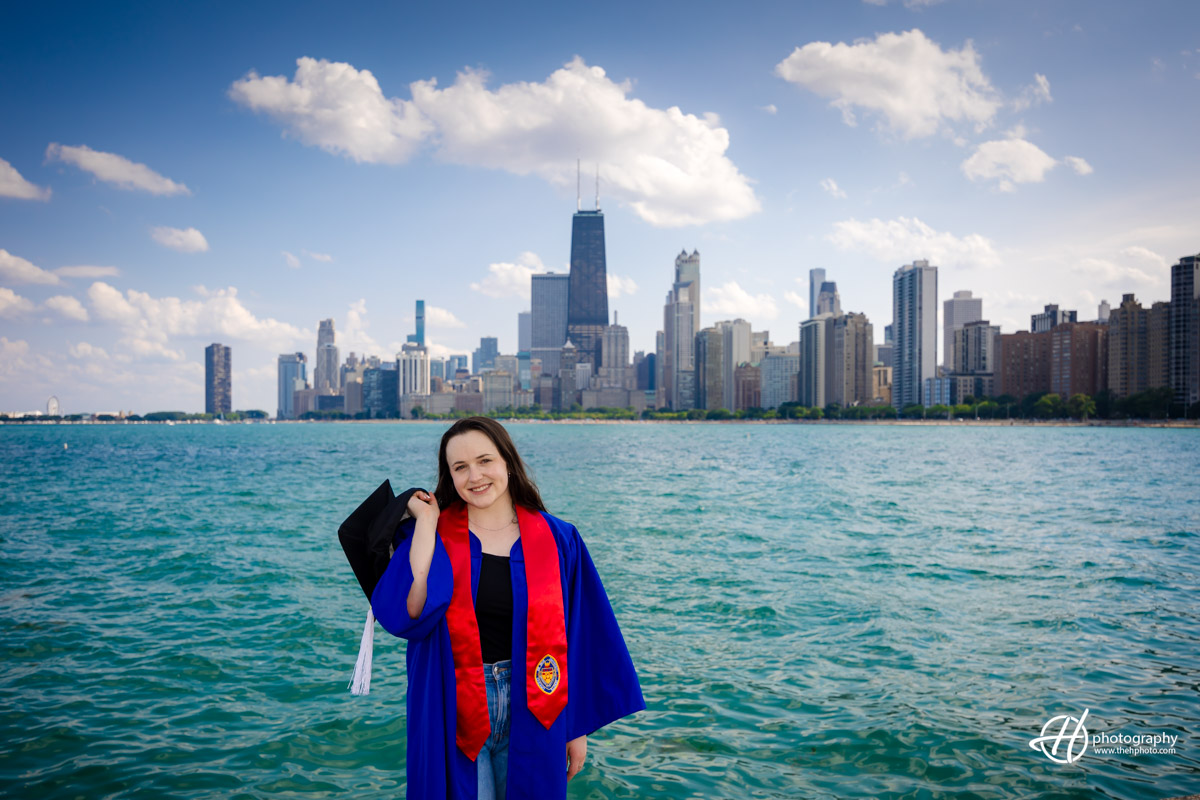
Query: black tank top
494, 608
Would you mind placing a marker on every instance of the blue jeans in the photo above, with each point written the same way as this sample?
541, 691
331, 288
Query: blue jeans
492, 761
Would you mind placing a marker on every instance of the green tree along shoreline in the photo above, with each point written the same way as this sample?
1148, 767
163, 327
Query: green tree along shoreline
1153, 404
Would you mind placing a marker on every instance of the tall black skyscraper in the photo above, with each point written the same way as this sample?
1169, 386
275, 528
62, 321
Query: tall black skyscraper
587, 299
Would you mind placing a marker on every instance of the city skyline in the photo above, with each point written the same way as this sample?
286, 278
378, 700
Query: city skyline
202, 207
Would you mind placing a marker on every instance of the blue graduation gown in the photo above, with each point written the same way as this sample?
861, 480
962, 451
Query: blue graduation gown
602, 683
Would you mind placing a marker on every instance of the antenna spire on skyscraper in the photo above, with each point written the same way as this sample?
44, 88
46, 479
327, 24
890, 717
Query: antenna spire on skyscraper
578, 191
597, 185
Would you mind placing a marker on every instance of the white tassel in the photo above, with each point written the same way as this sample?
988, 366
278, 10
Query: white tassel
361, 682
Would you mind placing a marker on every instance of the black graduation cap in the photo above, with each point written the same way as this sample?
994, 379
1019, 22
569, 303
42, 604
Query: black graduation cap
367, 534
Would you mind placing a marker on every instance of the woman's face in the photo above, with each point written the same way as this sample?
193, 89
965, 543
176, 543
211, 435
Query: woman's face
480, 474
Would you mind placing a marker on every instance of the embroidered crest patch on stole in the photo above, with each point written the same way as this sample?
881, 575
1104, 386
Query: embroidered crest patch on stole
546, 674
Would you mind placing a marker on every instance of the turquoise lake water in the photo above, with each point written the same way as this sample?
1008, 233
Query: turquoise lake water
823, 611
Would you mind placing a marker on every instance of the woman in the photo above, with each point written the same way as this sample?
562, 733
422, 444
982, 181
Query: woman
514, 655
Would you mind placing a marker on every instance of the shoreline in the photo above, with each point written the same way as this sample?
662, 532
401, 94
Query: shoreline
986, 423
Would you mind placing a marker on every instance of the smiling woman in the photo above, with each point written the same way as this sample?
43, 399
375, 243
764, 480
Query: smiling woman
483, 576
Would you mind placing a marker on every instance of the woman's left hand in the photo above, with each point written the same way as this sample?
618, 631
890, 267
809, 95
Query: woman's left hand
576, 753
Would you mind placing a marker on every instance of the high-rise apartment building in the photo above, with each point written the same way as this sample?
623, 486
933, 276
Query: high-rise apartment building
973, 348
1052, 315
587, 301
709, 360
414, 369
218, 376
778, 377
816, 277
548, 318
1138, 347
326, 372
1078, 358
1184, 347
816, 355
914, 325
736, 351
956, 312
850, 378
292, 377
1022, 363
614, 355
747, 383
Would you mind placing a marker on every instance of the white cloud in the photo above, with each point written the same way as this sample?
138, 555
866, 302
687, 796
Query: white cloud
899, 241
12, 349
290, 260
1080, 166
325, 257
187, 240
796, 299
13, 185
830, 185
1010, 161
148, 323
19, 270
338, 108
770, 108
68, 306
906, 78
441, 318
86, 271
87, 351
730, 298
13, 304
115, 169
1034, 94
620, 285
353, 336
670, 167
506, 279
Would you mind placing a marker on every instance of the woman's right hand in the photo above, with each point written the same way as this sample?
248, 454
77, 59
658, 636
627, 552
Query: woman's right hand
422, 504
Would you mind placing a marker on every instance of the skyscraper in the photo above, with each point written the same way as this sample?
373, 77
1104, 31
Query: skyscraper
293, 376
326, 374
828, 301
736, 351
418, 338
587, 300
710, 380
218, 391
548, 318
956, 312
414, 369
816, 277
484, 356
914, 326
681, 323
1184, 359
853, 360
687, 270
816, 355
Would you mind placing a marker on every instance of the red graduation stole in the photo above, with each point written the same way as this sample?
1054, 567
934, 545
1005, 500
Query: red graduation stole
545, 635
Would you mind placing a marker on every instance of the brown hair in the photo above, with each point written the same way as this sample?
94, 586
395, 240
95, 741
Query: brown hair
521, 488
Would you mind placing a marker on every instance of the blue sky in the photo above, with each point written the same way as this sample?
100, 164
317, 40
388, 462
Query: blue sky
172, 176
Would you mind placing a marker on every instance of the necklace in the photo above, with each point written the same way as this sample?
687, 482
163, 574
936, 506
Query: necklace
512, 522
